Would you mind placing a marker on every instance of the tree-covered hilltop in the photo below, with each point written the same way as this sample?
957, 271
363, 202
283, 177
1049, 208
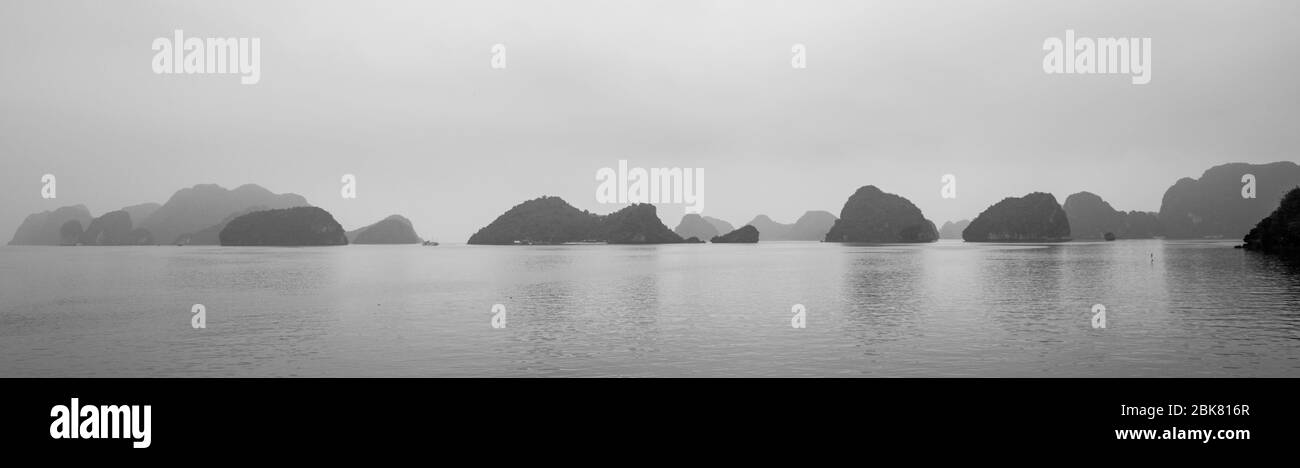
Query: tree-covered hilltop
1279, 233
288, 227
873, 216
551, 220
1035, 217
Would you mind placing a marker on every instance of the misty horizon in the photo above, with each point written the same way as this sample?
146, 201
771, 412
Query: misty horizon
612, 207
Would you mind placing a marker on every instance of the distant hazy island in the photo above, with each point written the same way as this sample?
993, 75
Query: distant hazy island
953, 229
203, 207
1215, 206
1091, 218
811, 226
694, 225
197, 216
701, 227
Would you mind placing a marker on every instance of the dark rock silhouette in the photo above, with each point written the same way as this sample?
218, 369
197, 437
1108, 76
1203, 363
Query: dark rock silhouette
1279, 233
551, 220
394, 229
1213, 206
871, 215
113, 228
203, 206
288, 227
747, 234
44, 228
546, 220
212, 234
636, 224
953, 229
1092, 218
694, 225
1036, 217
70, 233
1109, 236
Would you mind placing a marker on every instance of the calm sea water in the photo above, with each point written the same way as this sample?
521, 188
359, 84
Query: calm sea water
945, 309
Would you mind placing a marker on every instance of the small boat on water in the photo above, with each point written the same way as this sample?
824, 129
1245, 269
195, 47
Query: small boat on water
430, 244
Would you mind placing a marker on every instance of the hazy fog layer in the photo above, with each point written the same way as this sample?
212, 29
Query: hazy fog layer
401, 94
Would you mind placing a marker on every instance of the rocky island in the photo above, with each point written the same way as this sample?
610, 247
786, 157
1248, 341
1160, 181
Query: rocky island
694, 225
747, 234
394, 229
191, 211
636, 224
1279, 233
287, 227
212, 234
953, 229
1092, 218
721, 226
113, 228
1035, 217
46, 228
873, 216
1215, 206
551, 220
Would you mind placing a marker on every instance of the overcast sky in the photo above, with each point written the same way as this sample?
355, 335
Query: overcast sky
402, 95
